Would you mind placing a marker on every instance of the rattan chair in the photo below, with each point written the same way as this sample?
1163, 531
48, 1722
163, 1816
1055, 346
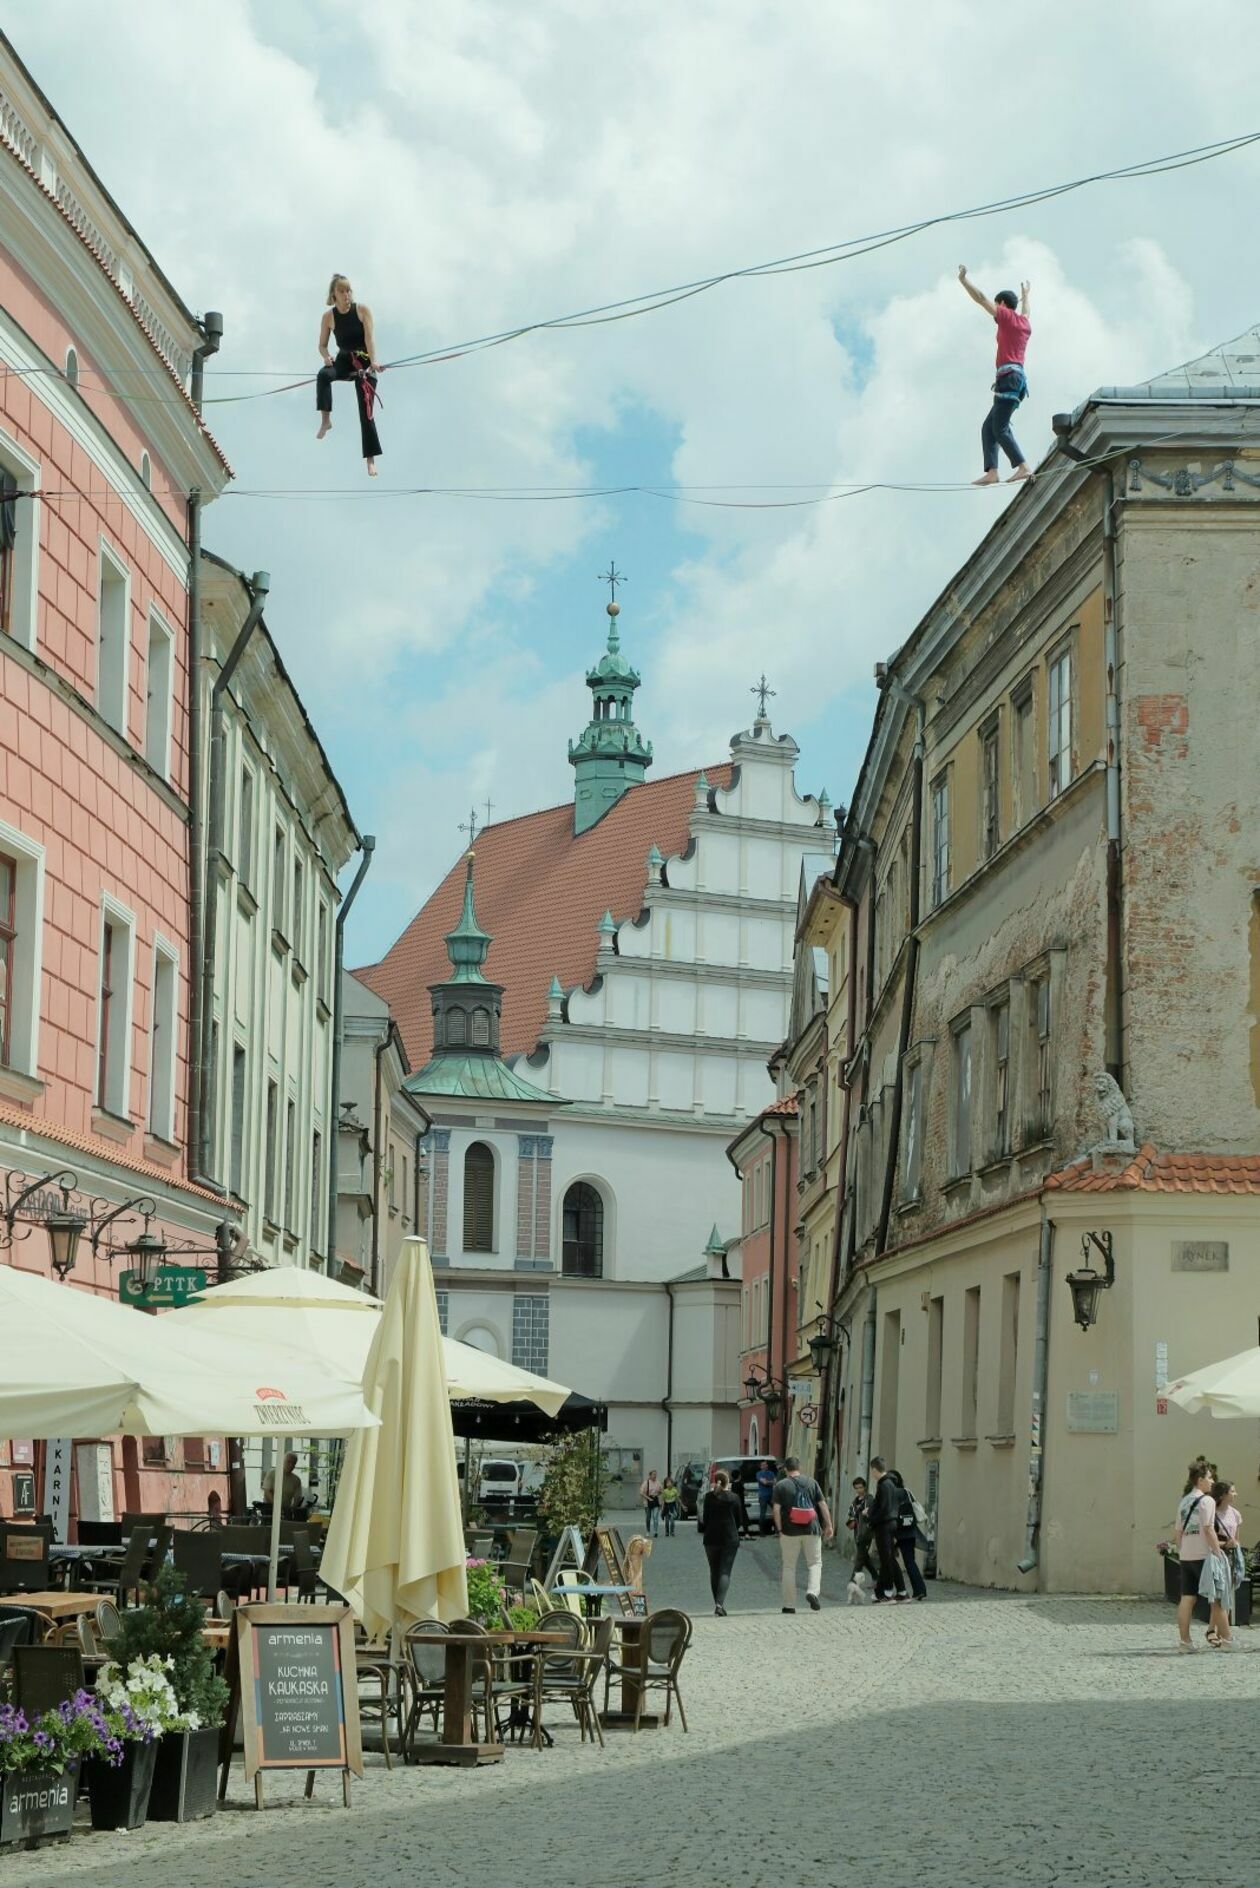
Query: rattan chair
223, 1607
428, 1679
662, 1642
108, 1622
570, 1677
499, 1682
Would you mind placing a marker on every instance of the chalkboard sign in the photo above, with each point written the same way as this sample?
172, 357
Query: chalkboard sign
292, 1677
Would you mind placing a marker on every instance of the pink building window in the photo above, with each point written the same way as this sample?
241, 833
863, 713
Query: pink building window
8, 950
107, 997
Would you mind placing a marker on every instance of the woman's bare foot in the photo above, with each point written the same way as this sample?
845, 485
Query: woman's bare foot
1020, 472
990, 478
371, 468
325, 425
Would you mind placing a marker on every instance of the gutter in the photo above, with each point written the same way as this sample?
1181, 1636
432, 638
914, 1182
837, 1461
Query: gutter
258, 588
668, 1403
378, 1058
1031, 1558
367, 848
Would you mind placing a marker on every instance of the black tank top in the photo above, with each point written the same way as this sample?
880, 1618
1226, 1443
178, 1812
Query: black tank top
348, 329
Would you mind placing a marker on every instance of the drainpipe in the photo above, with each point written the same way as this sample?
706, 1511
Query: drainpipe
866, 1407
668, 1404
772, 1135
258, 587
911, 970
1041, 1374
378, 1057
368, 847
212, 334
1113, 1004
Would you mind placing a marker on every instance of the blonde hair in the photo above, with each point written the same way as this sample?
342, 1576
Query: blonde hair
332, 288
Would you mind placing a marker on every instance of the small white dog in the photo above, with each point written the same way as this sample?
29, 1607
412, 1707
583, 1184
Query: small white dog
861, 1592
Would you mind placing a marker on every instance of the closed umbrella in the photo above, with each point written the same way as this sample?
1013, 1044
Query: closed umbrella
1231, 1388
395, 1544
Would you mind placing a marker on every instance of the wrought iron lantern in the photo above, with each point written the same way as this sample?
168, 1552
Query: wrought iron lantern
1087, 1285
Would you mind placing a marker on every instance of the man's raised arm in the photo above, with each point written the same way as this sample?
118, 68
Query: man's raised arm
977, 294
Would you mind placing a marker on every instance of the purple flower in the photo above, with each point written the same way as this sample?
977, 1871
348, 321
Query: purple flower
43, 1740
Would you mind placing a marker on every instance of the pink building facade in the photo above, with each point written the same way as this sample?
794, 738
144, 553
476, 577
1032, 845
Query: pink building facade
95, 944
764, 1155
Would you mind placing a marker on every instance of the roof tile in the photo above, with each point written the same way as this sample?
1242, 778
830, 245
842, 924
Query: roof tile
540, 893
1149, 1171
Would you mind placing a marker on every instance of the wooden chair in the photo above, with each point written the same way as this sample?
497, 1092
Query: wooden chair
662, 1643
570, 1677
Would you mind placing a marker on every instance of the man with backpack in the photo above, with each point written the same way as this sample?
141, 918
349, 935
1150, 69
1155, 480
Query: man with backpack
802, 1522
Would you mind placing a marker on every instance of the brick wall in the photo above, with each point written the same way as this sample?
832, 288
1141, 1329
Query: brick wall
530, 1331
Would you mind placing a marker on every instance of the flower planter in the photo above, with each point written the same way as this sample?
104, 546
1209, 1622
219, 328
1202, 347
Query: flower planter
186, 1776
120, 1796
37, 1803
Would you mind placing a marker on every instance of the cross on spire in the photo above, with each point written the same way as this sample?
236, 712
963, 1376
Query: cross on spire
612, 577
489, 805
470, 826
761, 690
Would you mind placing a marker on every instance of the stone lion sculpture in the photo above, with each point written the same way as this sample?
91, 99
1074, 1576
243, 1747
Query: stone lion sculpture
1117, 1117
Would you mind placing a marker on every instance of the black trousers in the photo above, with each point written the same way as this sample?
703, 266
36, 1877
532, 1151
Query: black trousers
862, 1562
889, 1570
346, 367
721, 1559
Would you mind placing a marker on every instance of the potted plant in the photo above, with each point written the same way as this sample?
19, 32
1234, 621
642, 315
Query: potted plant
163, 1638
487, 1594
39, 1774
135, 1708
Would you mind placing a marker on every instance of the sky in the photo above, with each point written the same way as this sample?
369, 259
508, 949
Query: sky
473, 164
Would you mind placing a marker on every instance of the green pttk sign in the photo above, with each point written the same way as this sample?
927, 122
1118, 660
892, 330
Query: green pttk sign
175, 1285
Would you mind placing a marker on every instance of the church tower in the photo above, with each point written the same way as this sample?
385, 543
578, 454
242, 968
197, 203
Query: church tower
610, 755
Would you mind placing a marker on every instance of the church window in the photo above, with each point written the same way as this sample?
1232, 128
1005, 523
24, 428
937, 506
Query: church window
583, 1232
478, 1194
480, 1034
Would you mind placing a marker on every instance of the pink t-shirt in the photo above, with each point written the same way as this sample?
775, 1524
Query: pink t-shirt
1013, 331
1196, 1514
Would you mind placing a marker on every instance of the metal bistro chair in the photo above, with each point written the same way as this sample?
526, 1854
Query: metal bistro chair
663, 1640
44, 1676
428, 1680
570, 1676
146, 1550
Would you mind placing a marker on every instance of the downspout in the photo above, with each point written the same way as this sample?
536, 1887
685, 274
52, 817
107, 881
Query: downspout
378, 1057
668, 1404
910, 977
1041, 1374
368, 847
774, 1221
866, 1406
212, 333
258, 587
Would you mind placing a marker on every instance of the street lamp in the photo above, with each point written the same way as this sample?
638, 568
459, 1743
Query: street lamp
65, 1229
147, 1253
1087, 1285
64, 1225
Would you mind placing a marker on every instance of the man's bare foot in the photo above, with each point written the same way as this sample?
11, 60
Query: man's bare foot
371, 468
325, 425
1020, 472
990, 478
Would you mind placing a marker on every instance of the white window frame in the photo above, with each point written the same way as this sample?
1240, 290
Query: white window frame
163, 1039
1059, 738
941, 849
72, 367
160, 760
28, 912
112, 688
962, 1120
118, 1051
246, 826
24, 616
912, 1145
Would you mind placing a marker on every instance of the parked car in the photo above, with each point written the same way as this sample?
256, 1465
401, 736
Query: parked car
742, 1470
505, 1485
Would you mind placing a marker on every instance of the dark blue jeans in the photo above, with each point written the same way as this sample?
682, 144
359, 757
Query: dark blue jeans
996, 432
906, 1544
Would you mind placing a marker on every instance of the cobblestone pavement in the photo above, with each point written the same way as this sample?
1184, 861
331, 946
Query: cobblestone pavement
974, 1739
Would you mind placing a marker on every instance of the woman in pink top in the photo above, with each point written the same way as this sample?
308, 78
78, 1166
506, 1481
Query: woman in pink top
1010, 385
1195, 1541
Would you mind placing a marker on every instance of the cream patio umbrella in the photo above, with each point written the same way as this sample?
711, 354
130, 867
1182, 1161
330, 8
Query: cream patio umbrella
395, 1544
1230, 1388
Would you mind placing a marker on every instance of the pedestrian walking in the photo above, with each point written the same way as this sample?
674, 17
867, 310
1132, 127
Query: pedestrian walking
669, 1504
858, 1521
1204, 1569
767, 1476
908, 1535
1010, 385
1227, 1522
719, 1531
886, 1521
802, 1521
650, 1496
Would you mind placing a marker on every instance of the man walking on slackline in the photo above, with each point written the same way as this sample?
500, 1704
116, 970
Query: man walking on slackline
1010, 386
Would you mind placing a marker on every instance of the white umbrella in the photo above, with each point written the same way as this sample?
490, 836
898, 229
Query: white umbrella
395, 1544
1231, 1388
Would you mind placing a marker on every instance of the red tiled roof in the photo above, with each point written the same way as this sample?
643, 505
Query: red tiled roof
540, 893
788, 1105
102, 1150
1152, 1172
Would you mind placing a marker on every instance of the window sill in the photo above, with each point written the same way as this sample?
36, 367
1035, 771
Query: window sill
270, 1227
1000, 1442
246, 901
929, 1445
279, 943
114, 1127
290, 1240
911, 1205
300, 973
955, 1182
996, 1164
157, 1147
964, 1442
14, 1086
1036, 1147
322, 1010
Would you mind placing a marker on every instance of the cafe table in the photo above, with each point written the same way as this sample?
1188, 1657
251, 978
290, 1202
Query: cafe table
58, 1605
456, 1744
634, 1652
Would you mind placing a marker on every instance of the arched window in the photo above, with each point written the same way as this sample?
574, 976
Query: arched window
583, 1232
479, 1199
456, 1026
146, 471
480, 1034
72, 367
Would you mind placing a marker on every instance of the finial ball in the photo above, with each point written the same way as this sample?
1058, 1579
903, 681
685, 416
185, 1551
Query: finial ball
614, 609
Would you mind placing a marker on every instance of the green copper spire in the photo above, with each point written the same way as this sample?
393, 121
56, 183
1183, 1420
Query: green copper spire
467, 944
610, 755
